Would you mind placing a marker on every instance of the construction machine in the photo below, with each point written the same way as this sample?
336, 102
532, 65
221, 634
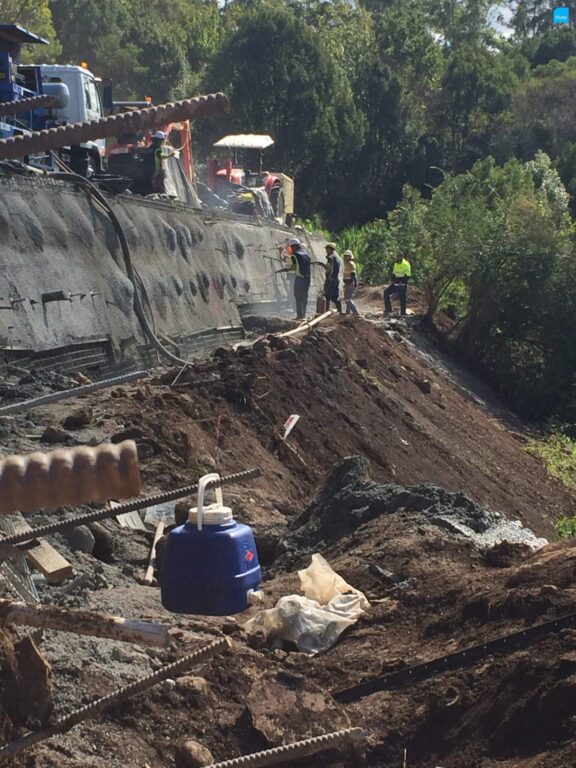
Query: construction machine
239, 178
37, 97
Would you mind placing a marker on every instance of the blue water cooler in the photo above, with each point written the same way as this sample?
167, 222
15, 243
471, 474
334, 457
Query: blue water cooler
211, 564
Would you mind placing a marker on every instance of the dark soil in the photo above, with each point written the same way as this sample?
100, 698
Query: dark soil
423, 450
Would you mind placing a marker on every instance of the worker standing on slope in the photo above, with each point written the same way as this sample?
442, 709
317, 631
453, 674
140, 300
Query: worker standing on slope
401, 273
332, 283
301, 267
350, 283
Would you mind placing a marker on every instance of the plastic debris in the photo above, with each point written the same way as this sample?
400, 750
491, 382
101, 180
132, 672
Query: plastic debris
315, 620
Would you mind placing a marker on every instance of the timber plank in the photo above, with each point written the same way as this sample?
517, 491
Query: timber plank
44, 557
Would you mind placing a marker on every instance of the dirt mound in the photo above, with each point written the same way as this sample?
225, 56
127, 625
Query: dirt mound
358, 389
349, 499
395, 459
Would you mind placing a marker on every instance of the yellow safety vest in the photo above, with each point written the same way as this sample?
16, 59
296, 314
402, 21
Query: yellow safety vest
349, 267
402, 268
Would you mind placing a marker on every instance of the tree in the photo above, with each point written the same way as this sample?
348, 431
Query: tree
543, 110
459, 22
36, 16
530, 17
156, 49
477, 88
282, 79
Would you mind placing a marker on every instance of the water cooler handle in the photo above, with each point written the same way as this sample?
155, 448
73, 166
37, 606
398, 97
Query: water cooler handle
203, 482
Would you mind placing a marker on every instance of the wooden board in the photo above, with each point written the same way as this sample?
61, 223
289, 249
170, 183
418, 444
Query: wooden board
130, 520
44, 557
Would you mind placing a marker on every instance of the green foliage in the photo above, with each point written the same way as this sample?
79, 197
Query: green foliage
372, 246
36, 16
153, 49
282, 79
558, 453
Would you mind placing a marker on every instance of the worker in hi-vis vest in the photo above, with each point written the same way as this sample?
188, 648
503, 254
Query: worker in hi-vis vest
160, 151
350, 283
401, 273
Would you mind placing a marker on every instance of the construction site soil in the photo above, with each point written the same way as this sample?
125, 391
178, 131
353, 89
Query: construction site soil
395, 451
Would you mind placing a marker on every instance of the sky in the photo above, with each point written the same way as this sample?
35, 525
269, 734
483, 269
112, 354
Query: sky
500, 11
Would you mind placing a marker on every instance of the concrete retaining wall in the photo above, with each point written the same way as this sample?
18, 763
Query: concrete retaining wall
197, 268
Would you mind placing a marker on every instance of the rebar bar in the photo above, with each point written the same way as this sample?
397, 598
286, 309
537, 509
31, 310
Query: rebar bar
54, 397
294, 751
89, 710
27, 105
8, 542
112, 125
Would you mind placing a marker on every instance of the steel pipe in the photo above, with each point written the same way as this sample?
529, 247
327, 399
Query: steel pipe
107, 127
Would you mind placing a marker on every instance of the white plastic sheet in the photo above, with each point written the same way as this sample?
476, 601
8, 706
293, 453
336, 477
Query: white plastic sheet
315, 620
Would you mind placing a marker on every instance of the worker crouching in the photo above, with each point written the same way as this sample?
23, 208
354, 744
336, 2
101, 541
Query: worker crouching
300, 265
350, 283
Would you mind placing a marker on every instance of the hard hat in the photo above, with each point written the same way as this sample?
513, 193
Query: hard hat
159, 135
348, 253
331, 245
293, 241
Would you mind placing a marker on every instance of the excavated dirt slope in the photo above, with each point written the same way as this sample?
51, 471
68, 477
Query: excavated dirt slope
361, 392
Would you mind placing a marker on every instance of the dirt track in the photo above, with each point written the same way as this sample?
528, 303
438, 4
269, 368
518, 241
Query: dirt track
360, 390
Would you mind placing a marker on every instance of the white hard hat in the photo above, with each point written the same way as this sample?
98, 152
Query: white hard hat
293, 241
159, 135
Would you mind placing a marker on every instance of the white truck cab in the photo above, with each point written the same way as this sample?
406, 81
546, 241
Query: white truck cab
84, 103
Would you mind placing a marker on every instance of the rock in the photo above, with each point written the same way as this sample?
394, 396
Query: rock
424, 386
182, 511
82, 379
34, 695
191, 754
277, 343
207, 461
549, 590
55, 435
130, 433
80, 539
77, 419
287, 354
196, 685
505, 554
139, 395
283, 706
103, 543
361, 362
230, 627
